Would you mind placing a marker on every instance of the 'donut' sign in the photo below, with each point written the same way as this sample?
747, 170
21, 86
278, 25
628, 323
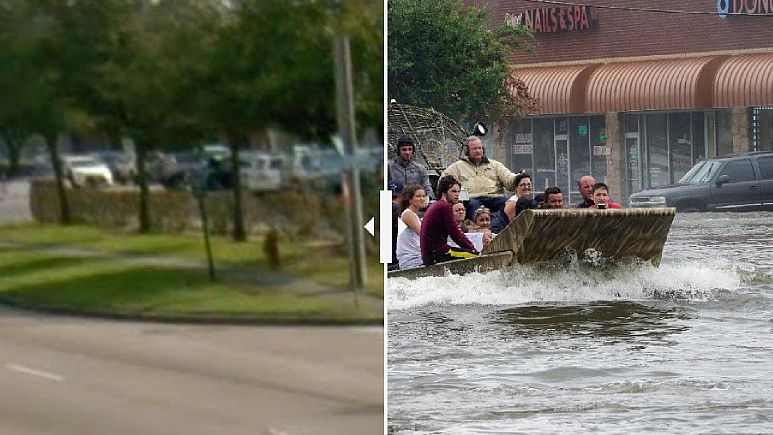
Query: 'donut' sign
552, 20
745, 7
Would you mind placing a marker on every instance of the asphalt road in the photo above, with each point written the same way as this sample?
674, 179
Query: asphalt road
62, 375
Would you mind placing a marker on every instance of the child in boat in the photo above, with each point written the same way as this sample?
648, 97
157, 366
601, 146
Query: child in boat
601, 197
482, 224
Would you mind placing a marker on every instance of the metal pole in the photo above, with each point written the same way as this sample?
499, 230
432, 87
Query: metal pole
351, 176
205, 230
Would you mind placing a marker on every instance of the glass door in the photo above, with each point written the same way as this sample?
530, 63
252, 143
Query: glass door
563, 169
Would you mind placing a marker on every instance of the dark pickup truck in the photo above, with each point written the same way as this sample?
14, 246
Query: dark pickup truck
730, 183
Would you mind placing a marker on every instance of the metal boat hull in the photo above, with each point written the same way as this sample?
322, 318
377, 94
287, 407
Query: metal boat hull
543, 235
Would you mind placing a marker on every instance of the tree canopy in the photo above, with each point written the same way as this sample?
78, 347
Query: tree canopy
443, 54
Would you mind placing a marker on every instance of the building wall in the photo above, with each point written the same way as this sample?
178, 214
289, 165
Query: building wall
620, 33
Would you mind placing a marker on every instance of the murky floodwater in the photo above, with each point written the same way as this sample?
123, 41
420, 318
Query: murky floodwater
683, 348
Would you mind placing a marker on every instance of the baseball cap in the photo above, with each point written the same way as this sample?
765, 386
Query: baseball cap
396, 187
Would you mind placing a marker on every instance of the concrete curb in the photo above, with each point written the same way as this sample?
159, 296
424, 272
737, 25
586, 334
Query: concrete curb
201, 319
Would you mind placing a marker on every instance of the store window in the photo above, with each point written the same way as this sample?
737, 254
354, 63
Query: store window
724, 124
680, 138
522, 141
633, 169
598, 145
579, 152
762, 128
698, 137
544, 171
657, 149
710, 129
558, 151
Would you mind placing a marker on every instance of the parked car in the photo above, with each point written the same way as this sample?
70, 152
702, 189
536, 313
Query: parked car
122, 165
730, 183
173, 170
217, 151
260, 171
89, 171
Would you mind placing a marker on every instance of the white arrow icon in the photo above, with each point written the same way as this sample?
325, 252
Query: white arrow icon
369, 227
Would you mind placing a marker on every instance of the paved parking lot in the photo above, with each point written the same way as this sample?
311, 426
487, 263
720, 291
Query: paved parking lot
14, 201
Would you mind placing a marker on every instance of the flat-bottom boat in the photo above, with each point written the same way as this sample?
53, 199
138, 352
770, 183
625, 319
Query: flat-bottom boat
543, 235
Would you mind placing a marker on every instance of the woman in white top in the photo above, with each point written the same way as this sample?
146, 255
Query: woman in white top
408, 252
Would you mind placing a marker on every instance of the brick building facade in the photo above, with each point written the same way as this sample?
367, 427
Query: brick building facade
636, 97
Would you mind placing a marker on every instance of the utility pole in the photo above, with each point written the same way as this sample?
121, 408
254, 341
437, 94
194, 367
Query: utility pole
350, 175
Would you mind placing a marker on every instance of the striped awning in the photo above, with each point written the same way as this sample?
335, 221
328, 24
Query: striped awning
559, 89
744, 80
649, 85
662, 84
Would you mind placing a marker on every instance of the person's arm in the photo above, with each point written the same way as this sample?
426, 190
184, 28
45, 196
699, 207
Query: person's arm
505, 177
510, 210
455, 233
391, 176
412, 221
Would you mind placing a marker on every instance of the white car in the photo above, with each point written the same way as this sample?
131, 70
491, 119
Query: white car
86, 171
260, 171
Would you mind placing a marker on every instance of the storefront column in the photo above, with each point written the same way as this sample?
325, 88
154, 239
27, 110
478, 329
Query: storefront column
616, 162
740, 128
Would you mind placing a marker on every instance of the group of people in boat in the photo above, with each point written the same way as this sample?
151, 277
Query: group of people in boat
449, 229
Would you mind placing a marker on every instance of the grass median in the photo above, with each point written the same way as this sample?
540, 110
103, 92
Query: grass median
83, 269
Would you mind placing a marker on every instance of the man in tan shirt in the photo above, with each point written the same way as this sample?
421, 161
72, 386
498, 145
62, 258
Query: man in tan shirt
484, 179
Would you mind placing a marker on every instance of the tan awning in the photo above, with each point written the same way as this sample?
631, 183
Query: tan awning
559, 89
664, 84
744, 80
651, 85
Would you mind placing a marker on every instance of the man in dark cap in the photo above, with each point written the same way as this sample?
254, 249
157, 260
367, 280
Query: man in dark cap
406, 170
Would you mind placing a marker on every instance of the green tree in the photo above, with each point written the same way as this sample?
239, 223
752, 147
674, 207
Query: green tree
142, 87
272, 67
35, 79
443, 54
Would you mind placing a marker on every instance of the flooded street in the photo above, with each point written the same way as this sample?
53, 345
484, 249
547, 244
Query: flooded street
686, 347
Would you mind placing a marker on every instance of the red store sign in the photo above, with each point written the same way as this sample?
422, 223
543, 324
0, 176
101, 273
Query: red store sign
553, 20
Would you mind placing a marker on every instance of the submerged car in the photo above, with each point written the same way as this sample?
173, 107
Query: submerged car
730, 183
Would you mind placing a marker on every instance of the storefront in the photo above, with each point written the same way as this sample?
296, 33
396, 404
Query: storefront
637, 105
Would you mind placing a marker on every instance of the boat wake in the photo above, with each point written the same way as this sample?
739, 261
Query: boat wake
577, 281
